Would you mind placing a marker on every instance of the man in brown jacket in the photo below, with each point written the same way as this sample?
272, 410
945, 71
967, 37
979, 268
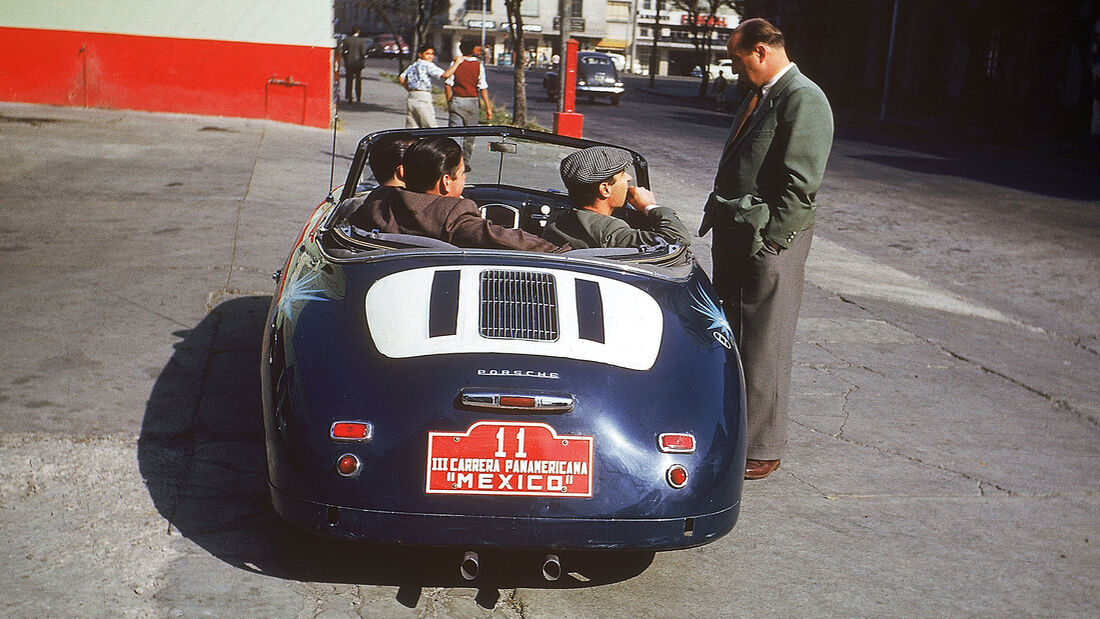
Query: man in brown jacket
431, 204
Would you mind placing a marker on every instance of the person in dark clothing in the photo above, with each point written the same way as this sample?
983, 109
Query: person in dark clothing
353, 51
598, 183
431, 204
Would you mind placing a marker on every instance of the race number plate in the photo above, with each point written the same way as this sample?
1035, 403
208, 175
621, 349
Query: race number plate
509, 458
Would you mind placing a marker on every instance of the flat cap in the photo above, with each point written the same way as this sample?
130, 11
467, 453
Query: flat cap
594, 164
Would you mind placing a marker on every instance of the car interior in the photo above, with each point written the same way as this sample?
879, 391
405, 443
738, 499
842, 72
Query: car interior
497, 166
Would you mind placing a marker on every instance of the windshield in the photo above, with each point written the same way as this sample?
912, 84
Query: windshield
511, 161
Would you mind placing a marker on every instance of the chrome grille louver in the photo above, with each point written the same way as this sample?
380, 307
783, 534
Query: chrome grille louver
518, 305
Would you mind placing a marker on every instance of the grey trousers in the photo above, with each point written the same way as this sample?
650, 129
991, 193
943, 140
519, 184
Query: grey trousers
762, 296
419, 110
465, 112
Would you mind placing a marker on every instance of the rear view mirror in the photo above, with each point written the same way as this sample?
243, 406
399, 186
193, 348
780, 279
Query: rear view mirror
503, 147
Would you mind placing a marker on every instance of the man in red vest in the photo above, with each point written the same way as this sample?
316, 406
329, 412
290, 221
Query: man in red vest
463, 89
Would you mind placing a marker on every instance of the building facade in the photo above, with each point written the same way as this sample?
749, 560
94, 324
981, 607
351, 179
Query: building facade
623, 27
248, 58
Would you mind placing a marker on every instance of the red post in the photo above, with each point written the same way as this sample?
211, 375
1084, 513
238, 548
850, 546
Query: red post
567, 122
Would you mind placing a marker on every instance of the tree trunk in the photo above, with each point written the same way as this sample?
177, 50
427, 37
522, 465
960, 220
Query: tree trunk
519, 76
653, 50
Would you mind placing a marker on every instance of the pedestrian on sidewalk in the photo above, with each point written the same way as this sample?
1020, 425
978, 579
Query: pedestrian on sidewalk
417, 79
762, 212
464, 89
353, 50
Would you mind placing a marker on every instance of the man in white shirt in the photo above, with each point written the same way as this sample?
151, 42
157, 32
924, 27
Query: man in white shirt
417, 79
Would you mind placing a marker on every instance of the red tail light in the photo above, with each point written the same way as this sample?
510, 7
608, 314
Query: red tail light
677, 476
671, 443
517, 401
348, 465
351, 431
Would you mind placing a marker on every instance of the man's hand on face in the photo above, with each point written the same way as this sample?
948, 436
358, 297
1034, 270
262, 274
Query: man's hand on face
639, 198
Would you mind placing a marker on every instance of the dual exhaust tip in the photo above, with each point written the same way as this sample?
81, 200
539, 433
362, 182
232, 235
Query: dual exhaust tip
470, 566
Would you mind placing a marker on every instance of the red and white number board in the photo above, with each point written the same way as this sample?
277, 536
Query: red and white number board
509, 458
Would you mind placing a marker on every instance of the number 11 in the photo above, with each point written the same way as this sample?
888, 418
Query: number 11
520, 453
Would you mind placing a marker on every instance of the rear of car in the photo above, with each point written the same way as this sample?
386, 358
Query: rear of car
596, 78
420, 393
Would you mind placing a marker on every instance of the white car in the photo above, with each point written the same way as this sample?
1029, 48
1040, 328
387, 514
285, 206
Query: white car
723, 67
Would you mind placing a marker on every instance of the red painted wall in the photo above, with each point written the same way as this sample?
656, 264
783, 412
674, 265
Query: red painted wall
289, 83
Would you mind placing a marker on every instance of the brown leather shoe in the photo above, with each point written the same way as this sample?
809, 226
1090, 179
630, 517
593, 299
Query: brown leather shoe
759, 469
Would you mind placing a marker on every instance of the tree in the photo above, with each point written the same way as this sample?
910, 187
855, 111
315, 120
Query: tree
653, 50
413, 19
426, 10
701, 21
519, 77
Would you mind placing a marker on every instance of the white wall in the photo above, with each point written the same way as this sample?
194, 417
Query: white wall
285, 22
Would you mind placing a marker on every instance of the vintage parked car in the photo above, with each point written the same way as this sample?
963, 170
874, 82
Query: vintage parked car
596, 77
419, 393
389, 45
723, 68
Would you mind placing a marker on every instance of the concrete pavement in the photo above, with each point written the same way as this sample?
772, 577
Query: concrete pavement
928, 474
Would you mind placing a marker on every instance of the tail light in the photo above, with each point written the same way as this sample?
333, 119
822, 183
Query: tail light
677, 476
351, 431
348, 465
676, 443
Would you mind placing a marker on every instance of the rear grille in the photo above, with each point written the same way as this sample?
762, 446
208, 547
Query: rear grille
519, 305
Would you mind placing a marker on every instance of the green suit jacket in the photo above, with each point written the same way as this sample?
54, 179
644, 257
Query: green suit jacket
583, 228
767, 180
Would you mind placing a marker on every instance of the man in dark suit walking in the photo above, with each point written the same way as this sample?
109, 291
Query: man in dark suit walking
762, 213
353, 51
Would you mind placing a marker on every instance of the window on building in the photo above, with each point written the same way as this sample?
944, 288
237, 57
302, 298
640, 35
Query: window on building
576, 8
475, 5
618, 11
529, 8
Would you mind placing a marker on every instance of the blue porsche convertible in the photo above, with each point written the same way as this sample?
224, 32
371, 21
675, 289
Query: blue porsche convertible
425, 394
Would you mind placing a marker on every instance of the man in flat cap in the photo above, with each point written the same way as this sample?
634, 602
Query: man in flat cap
598, 183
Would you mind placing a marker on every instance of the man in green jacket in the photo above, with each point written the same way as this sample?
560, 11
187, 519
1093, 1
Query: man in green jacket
762, 213
598, 183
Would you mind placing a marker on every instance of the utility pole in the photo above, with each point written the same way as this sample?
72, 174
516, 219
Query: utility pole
483, 8
633, 34
563, 28
653, 52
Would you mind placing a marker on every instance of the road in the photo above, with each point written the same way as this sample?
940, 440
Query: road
943, 459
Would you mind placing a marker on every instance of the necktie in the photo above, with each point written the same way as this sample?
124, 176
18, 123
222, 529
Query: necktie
746, 115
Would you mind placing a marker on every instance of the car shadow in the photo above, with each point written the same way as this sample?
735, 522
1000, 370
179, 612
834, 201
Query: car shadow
201, 453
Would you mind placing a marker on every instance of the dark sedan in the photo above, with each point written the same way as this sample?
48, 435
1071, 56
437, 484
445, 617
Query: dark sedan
596, 77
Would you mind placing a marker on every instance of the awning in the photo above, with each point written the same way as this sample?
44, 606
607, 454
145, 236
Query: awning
611, 44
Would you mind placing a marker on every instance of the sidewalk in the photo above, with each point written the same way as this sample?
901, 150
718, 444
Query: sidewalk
926, 476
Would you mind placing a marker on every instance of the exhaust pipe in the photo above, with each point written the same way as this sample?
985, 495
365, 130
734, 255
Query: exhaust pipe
551, 568
469, 566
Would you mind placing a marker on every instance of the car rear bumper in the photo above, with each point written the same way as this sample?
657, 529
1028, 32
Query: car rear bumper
417, 529
601, 90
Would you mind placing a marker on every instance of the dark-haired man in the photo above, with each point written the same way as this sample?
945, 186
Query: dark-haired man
762, 212
431, 204
385, 164
353, 51
598, 183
